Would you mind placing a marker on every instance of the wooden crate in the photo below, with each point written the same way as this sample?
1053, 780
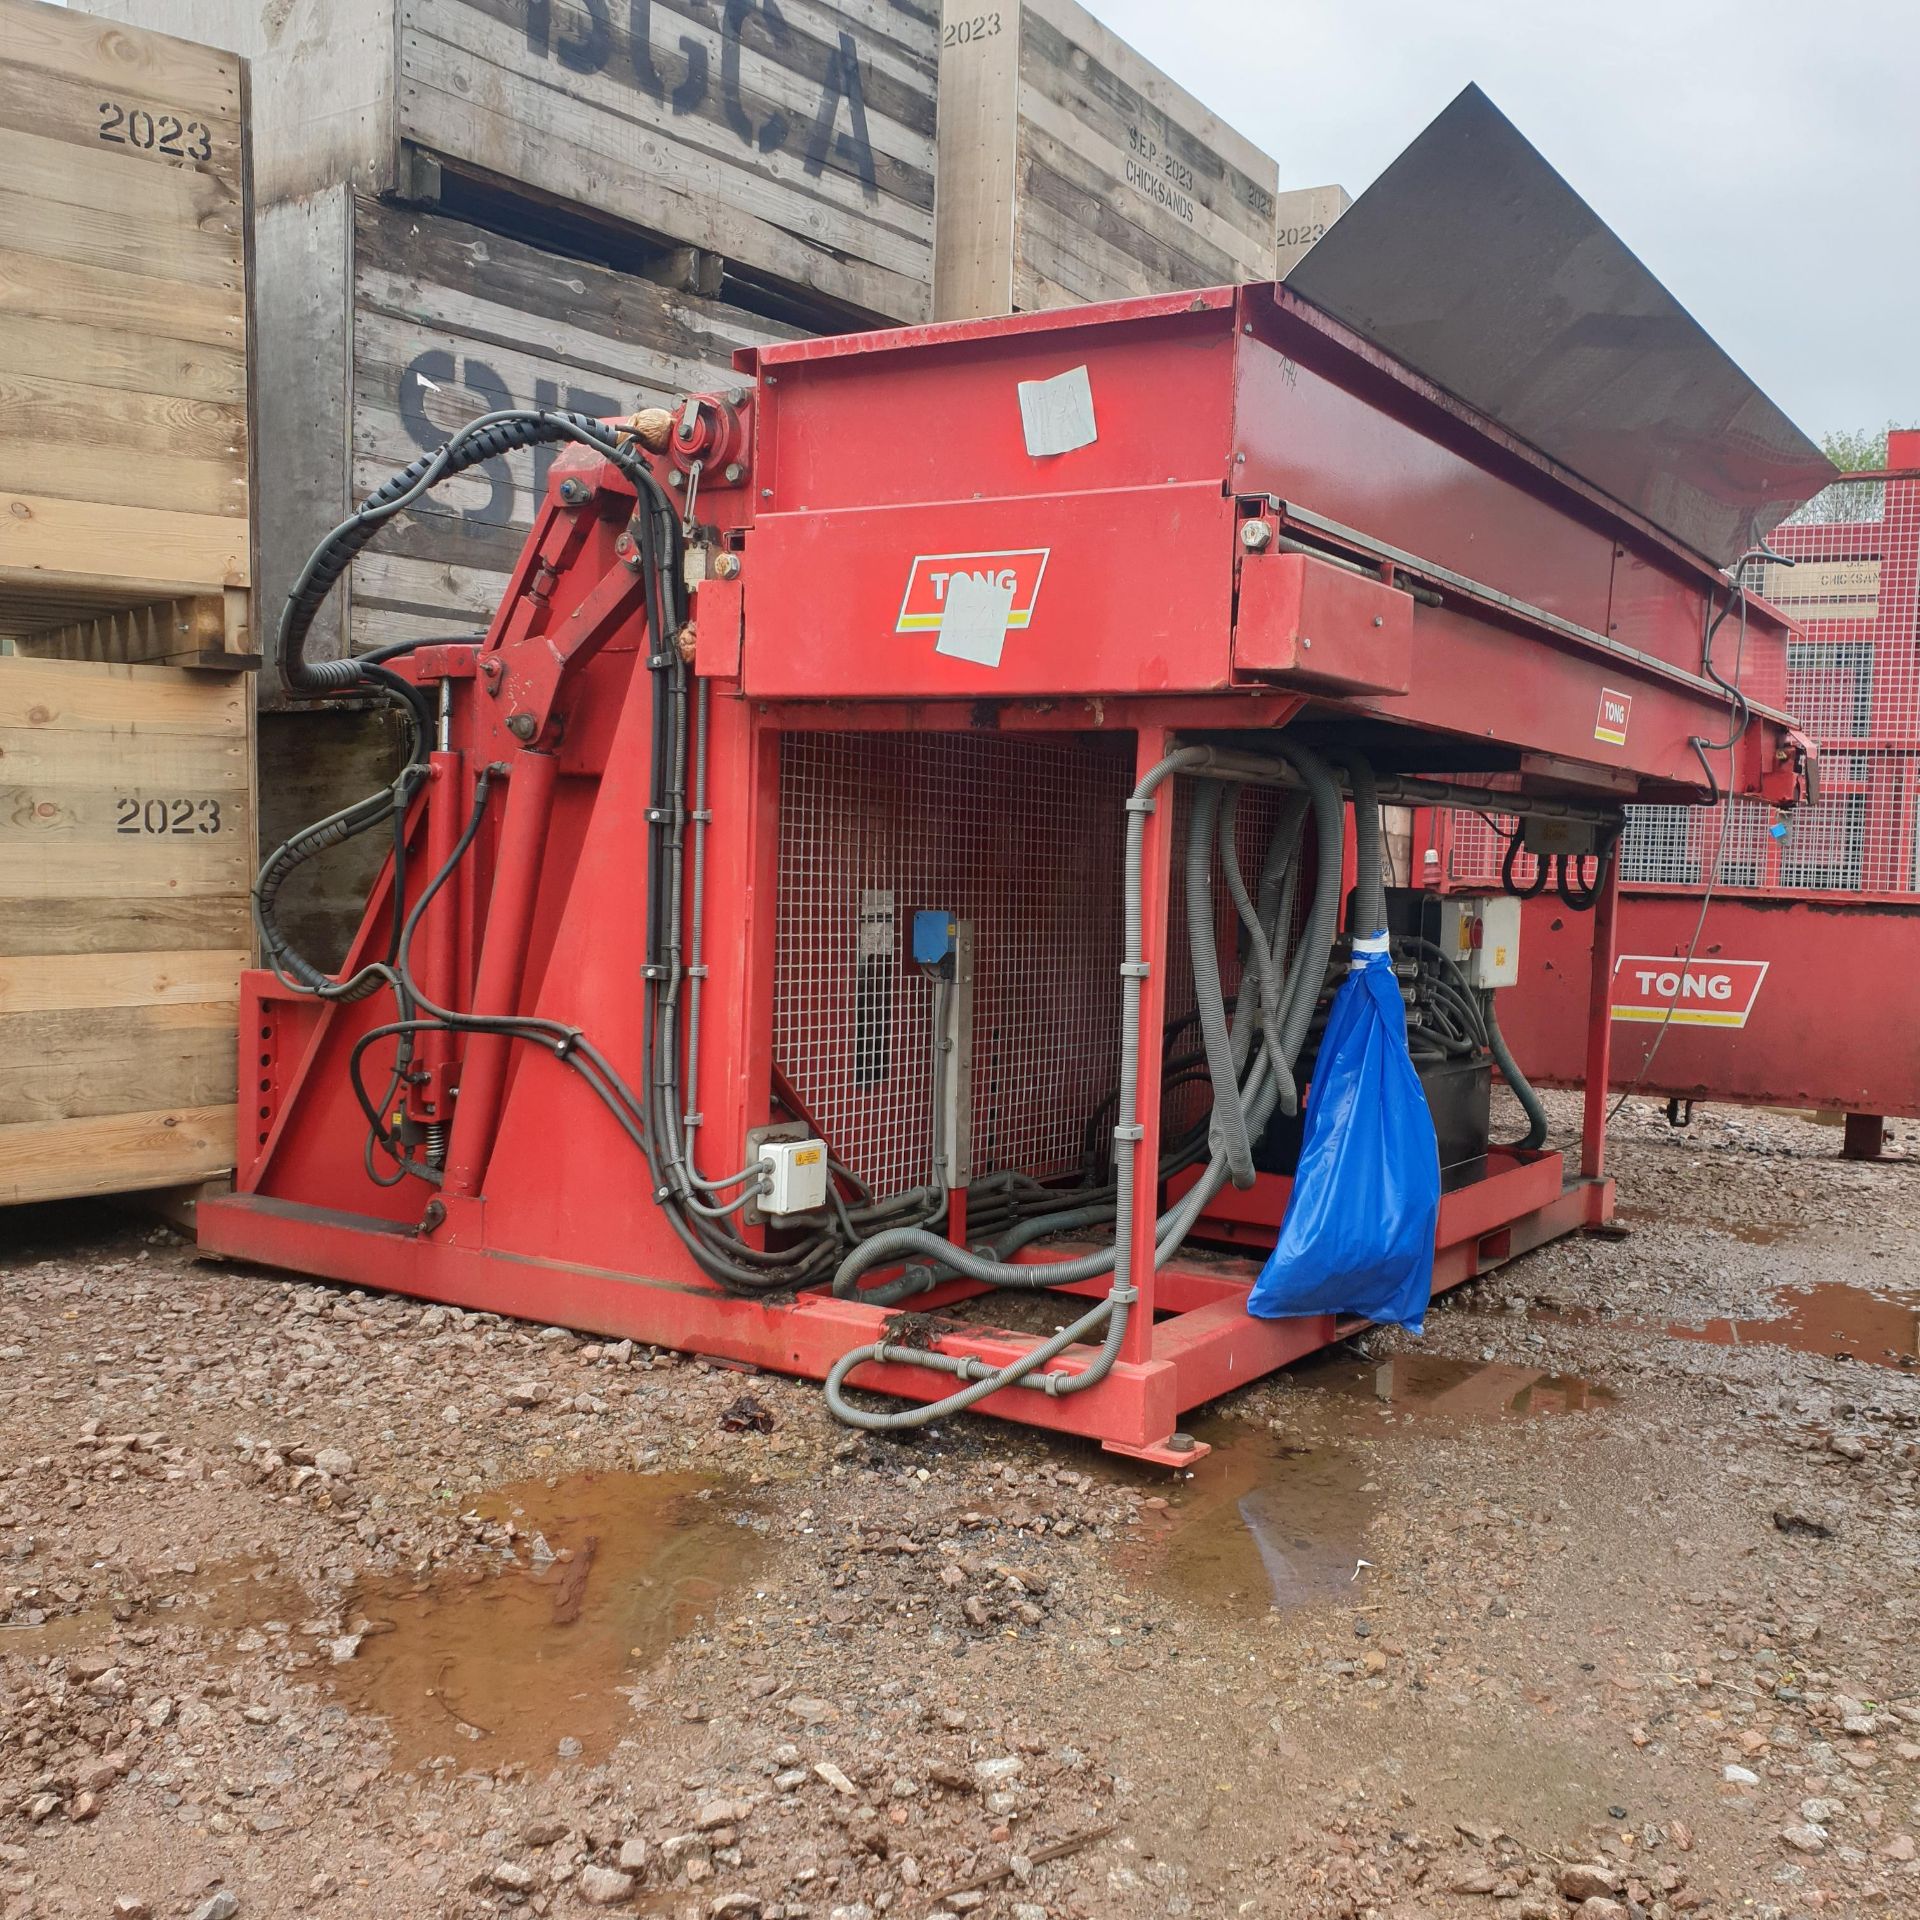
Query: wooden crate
382, 329
1300, 220
126, 853
794, 138
1070, 169
124, 496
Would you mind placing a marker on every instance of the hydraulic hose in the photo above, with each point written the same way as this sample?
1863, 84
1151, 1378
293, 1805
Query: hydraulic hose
1530, 1104
487, 438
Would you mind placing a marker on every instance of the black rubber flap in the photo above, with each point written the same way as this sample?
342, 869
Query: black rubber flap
1472, 261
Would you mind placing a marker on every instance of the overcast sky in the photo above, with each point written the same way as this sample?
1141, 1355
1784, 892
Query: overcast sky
1761, 156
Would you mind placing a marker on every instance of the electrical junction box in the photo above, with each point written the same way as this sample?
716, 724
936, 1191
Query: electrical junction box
936, 935
797, 1177
1483, 937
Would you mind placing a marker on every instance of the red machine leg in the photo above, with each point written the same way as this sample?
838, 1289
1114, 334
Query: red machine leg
1865, 1137
440, 928
503, 959
1606, 950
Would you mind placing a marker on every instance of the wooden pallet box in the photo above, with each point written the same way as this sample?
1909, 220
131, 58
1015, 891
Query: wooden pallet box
382, 330
1301, 218
126, 854
1071, 169
794, 138
124, 491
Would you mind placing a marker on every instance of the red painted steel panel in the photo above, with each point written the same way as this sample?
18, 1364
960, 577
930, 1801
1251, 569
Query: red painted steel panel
1831, 1025
1112, 592
1310, 622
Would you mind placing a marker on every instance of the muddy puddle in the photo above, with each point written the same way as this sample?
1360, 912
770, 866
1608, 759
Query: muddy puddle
529, 1659
523, 1660
1842, 1321
1456, 1390
1262, 1523
1834, 1318
1266, 1522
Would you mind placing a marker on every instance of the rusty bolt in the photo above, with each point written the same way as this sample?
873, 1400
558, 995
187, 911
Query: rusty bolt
573, 492
521, 725
1256, 535
726, 566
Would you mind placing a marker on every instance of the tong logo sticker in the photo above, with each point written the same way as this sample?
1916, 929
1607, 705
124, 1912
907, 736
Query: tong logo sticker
1016, 573
1699, 993
1615, 711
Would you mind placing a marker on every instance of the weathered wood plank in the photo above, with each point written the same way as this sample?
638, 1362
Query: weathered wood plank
62, 696
114, 1153
86, 1063
61, 925
122, 449
124, 361
38, 757
39, 983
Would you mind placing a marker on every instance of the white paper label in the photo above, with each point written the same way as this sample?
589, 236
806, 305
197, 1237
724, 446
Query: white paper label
973, 621
1057, 415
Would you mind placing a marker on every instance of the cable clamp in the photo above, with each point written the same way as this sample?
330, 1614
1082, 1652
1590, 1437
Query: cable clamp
703, 814
1131, 1134
697, 973
1122, 1296
1139, 803
661, 1195
653, 970
563, 1047
660, 816
659, 661
1136, 969
693, 1119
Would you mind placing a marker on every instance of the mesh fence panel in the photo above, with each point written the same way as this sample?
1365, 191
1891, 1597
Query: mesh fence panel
1853, 682
1024, 837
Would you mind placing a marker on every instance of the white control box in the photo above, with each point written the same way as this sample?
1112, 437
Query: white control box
1483, 936
797, 1177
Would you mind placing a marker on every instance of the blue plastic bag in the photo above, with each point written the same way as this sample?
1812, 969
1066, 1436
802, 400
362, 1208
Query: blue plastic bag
1358, 1234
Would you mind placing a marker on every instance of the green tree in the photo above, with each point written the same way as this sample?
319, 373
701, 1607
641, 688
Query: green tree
1852, 450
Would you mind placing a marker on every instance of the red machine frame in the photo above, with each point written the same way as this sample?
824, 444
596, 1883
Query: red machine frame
1796, 1017
1274, 523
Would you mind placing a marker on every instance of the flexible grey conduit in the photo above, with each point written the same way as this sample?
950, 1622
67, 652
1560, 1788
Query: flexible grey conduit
1227, 1129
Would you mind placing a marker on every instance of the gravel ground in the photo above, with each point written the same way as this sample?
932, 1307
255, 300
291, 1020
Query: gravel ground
1598, 1601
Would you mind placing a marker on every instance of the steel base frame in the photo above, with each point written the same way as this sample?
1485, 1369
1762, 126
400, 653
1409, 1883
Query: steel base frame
1204, 1344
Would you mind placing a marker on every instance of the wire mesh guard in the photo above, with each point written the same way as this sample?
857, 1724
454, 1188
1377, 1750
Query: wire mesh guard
1024, 838
1853, 682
